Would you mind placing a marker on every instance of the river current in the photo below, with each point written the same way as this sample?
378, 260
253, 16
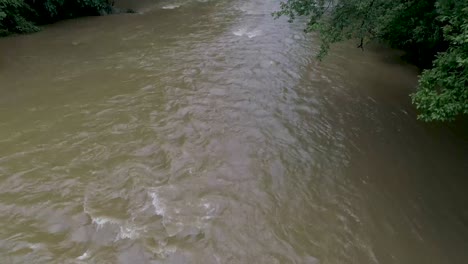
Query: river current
208, 132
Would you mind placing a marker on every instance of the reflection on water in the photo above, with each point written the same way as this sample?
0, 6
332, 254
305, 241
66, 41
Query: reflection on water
206, 132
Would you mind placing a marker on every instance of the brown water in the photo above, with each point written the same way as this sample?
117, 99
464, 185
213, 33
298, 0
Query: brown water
206, 132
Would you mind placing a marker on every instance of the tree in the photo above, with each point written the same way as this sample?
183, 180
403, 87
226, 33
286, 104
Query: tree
12, 17
434, 33
443, 89
23, 16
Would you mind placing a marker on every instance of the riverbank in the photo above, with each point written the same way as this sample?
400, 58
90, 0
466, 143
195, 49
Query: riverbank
19, 17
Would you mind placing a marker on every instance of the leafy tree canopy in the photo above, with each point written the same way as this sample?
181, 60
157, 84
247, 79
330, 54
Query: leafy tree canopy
23, 16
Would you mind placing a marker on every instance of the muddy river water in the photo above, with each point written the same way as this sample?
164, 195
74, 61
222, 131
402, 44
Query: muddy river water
207, 132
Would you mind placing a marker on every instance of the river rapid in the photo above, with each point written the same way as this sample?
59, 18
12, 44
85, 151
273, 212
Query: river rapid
207, 132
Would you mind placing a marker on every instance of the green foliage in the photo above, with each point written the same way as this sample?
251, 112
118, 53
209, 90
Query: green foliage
23, 16
434, 33
443, 89
413, 26
12, 17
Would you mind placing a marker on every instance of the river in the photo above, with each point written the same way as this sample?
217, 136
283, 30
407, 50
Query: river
207, 132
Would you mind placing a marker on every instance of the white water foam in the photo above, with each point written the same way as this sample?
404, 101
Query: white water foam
130, 232
159, 207
35, 246
170, 6
240, 32
244, 32
84, 256
163, 250
126, 230
101, 221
